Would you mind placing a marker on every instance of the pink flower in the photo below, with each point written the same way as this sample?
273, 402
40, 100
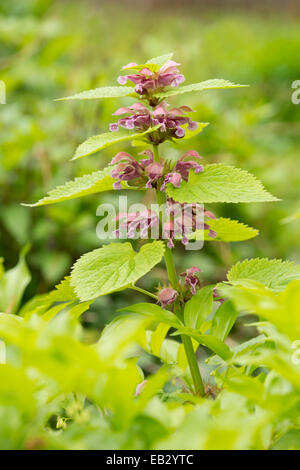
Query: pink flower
174, 178
127, 169
147, 81
183, 167
154, 172
183, 220
181, 170
167, 296
190, 278
134, 221
170, 122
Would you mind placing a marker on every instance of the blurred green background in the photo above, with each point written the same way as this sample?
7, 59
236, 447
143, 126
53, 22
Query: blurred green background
50, 49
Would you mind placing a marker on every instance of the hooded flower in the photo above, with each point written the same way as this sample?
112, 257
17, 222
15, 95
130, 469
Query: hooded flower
133, 221
147, 81
190, 278
127, 169
167, 296
182, 168
170, 122
154, 172
184, 219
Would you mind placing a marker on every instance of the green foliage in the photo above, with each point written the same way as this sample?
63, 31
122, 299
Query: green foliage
105, 92
227, 231
96, 182
13, 283
202, 86
198, 308
220, 183
113, 267
275, 274
61, 387
99, 142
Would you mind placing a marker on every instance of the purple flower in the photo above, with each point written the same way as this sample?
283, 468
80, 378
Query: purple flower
183, 167
167, 296
147, 81
174, 178
171, 121
134, 221
190, 278
183, 219
141, 118
127, 169
154, 172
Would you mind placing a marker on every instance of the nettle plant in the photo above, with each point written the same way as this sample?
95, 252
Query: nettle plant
200, 315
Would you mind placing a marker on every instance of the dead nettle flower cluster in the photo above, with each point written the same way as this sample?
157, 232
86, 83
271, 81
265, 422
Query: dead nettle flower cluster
168, 124
147, 81
148, 173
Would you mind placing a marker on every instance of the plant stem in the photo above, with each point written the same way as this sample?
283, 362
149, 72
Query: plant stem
172, 275
143, 291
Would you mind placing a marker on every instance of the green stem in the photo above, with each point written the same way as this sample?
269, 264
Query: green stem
139, 289
172, 275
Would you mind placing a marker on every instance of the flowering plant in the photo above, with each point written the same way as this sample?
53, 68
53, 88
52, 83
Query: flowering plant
200, 315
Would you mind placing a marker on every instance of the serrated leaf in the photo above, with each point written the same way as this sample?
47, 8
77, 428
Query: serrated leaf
96, 182
113, 267
228, 230
220, 183
198, 308
274, 274
161, 60
104, 92
211, 84
101, 141
154, 312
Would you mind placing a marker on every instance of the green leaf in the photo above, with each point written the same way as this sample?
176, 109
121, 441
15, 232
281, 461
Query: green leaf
211, 84
96, 182
223, 320
113, 267
13, 283
190, 134
288, 441
104, 92
161, 60
198, 308
275, 273
220, 183
101, 141
227, 231
210, 341
157, 338
154, 312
